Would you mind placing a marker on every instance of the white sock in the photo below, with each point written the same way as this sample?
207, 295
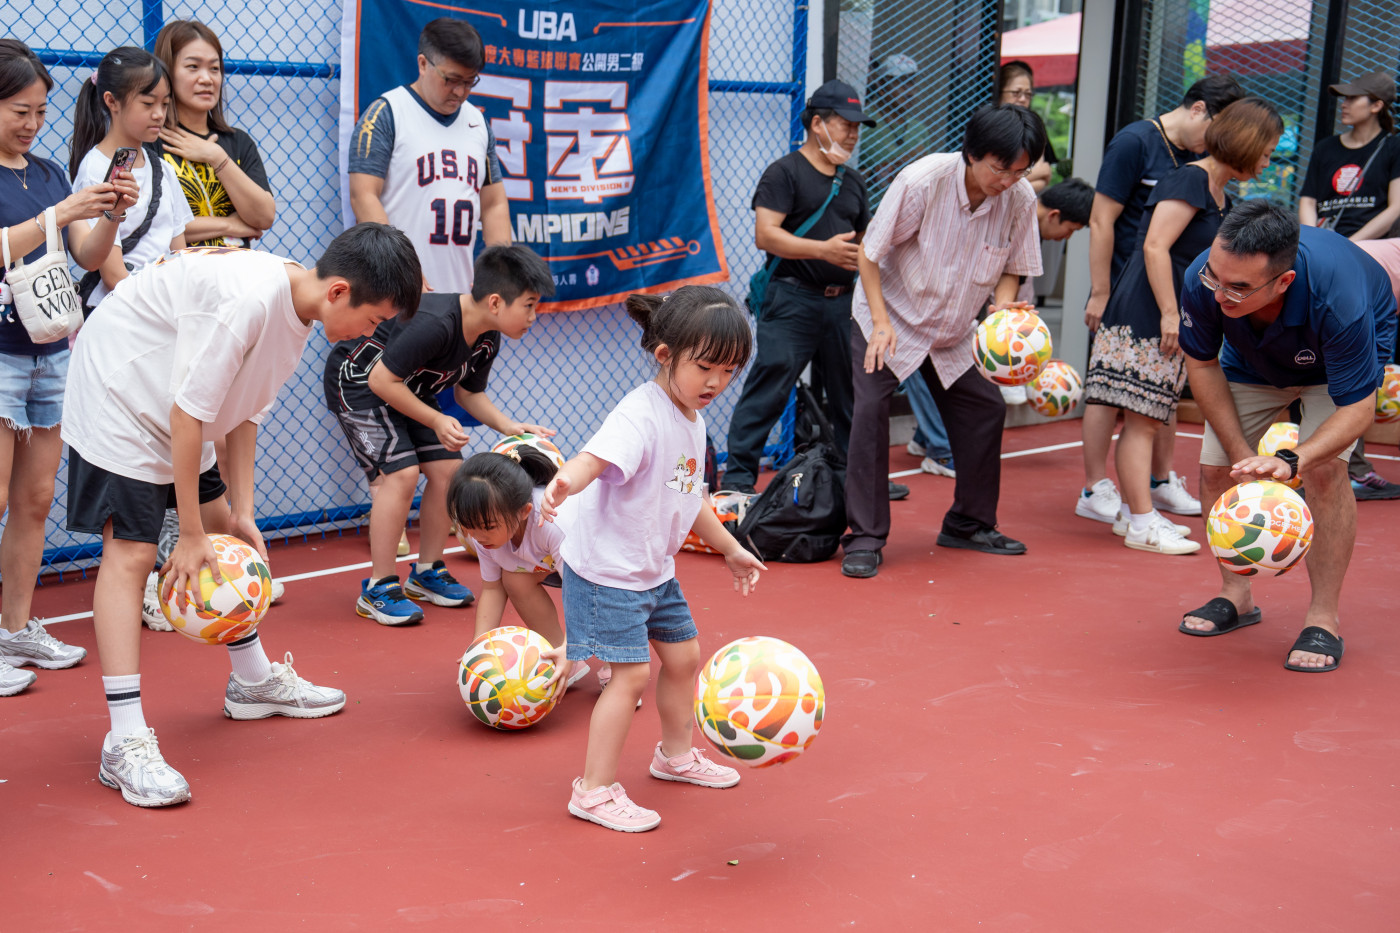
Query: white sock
124, 703
1140, 522
249, 660
1124, 512
423, 566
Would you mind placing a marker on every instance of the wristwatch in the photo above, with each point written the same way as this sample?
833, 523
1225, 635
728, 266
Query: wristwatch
1290, 457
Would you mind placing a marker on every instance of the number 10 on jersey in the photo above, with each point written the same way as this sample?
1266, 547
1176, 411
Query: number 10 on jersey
463, 222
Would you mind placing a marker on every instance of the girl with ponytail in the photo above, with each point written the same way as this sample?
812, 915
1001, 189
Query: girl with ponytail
123, 105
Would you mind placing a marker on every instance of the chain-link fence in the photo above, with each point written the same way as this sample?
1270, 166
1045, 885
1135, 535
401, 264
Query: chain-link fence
1282, 50
922, 67
282, 87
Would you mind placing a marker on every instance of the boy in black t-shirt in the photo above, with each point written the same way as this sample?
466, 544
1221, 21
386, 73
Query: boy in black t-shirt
382, 390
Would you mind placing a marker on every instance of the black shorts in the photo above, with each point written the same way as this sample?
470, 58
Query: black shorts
385, 440
135, 507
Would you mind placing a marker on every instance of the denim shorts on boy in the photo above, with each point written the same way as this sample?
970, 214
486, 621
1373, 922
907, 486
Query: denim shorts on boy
385, 440
31, 390
136, 507
616, 625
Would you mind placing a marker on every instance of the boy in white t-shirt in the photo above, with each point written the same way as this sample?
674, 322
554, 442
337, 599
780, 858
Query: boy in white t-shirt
191, 349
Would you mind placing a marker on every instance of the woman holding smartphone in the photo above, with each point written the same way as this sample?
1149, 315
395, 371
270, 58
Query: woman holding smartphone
219, 166
32, 375
122, 106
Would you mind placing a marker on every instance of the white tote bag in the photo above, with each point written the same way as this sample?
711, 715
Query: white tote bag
43, 292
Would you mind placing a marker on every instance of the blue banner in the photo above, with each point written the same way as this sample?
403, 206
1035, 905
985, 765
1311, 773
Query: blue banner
600, 112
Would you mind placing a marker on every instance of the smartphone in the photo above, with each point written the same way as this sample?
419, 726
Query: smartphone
122, 161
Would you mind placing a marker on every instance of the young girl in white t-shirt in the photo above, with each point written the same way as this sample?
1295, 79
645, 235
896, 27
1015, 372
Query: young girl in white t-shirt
492, 498
123, 105
620, 592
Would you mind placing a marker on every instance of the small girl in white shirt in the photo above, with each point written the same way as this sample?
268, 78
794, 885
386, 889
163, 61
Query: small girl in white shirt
620, 592
492, 498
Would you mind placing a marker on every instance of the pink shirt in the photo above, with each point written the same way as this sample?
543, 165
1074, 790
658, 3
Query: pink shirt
940, 261
1387, 253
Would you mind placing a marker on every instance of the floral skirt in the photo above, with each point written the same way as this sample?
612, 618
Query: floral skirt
1131, 373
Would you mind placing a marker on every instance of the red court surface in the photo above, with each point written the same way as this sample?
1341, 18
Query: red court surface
1011, 744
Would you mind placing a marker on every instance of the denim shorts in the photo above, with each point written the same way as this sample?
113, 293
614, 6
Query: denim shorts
616, 625
31, 389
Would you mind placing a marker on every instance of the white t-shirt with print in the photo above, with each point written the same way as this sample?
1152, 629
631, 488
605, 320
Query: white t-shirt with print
538, 551
210, 329
172, 214
628, 524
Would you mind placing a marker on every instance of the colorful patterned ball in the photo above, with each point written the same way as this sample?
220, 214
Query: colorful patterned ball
1282, 435
1011, 346
502, 678
542, 444
1259, 526
760, 701
220, 612
1056, 390
1388, 395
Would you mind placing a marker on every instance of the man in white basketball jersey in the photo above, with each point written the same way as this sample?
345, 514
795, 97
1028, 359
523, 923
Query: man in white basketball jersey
425, 160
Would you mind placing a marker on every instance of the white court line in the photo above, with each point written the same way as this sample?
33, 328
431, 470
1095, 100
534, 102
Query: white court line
348, 568
290, 578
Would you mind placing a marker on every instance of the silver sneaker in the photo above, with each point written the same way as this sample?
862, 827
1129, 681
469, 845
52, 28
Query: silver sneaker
33, 645
13, 681
134, 765
283, 693
151, 615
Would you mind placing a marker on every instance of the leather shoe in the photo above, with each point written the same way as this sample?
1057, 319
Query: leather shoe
898, 491
987, 540
861, 563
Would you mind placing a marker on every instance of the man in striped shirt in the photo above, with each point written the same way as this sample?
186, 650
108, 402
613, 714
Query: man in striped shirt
952, 229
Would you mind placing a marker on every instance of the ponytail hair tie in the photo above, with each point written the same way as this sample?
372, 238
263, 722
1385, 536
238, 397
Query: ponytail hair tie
513, 454
93, 77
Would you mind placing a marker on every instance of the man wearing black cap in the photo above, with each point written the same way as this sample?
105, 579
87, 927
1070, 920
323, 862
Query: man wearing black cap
805, 314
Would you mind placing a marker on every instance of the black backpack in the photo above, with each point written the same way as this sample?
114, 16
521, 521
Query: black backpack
800, 517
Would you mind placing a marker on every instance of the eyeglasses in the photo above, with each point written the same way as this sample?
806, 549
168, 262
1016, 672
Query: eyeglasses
1016, 95
1230, 294
1006, 172
465, 84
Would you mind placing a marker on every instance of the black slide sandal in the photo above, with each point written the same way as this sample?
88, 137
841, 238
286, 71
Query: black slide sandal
1318, 641
1225, 616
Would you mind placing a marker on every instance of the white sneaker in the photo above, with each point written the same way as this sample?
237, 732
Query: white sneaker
283, 693
1122, 523
151, 615
1172, 496
12, 680
940, 466
1102, 503
33, 645
1160, 536
915, 450
134, 765
278, 590
1013, 395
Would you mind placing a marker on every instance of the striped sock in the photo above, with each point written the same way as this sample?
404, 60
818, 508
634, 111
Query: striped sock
249, 660
124, 703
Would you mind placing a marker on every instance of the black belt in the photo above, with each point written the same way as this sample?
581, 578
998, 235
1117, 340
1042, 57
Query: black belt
828, 291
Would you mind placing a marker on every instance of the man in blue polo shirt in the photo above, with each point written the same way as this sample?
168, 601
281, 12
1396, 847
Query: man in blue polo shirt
1268, 317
